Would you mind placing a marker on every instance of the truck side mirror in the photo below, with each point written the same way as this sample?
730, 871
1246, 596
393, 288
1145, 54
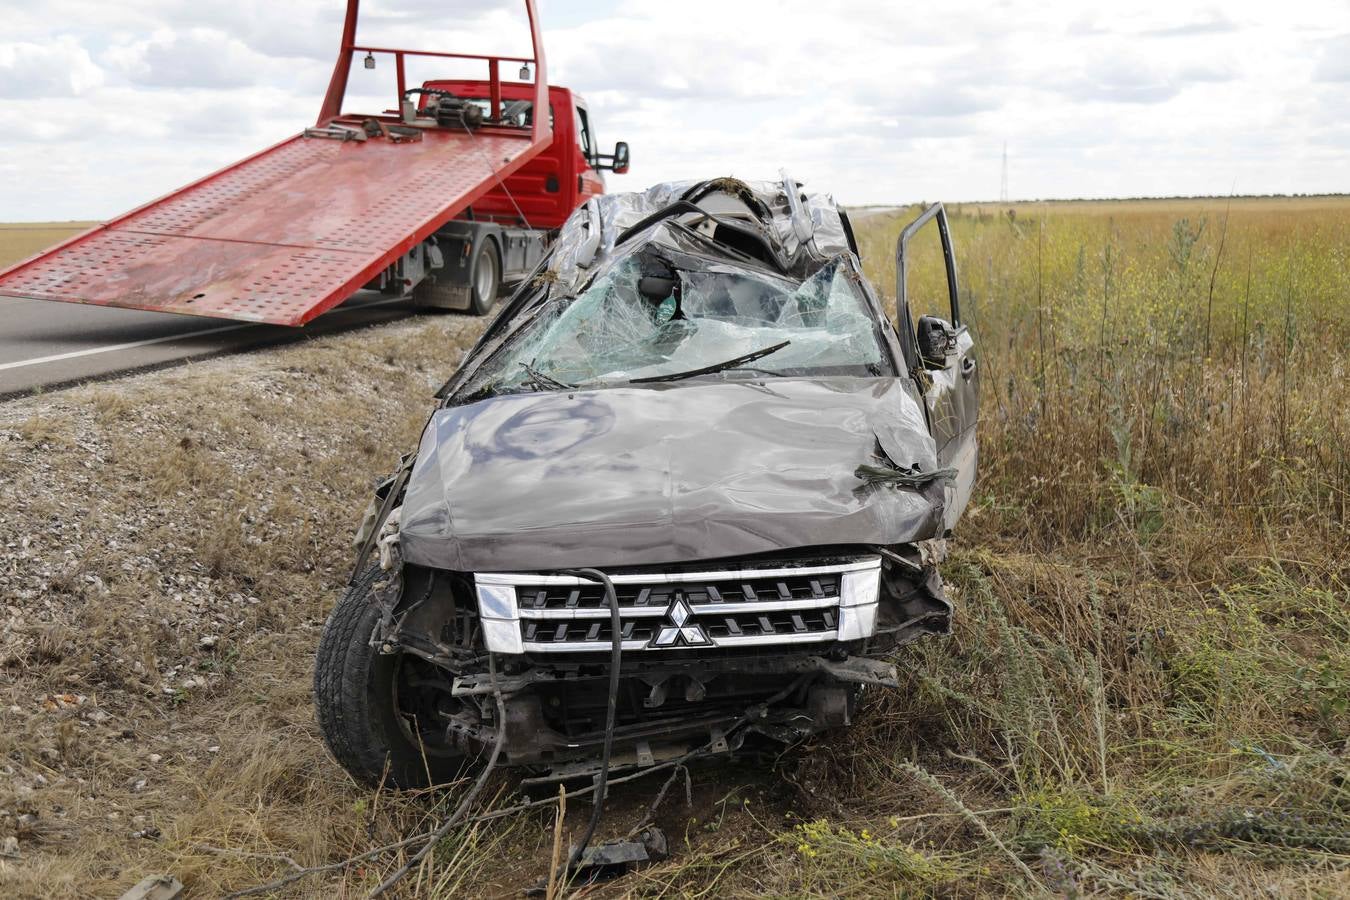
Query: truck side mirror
620, 164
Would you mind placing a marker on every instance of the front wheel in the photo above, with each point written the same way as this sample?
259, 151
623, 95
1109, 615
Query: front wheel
377, 712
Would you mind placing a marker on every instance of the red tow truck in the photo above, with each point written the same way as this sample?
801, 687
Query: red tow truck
444, 198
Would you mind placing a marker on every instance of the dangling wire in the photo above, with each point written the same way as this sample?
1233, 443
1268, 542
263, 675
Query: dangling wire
615, 658
500, 183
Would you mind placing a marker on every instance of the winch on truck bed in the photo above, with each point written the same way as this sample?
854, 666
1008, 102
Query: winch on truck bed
445, 198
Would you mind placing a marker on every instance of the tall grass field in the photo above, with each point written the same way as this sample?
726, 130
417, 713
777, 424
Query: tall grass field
1146, 694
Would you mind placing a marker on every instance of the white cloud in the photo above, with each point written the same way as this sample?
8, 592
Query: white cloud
1334, 60
192, 58
875, 101
53, 68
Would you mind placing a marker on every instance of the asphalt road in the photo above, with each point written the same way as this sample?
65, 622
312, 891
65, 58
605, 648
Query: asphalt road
44, 345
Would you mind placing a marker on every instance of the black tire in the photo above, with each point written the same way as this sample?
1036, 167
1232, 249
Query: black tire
356, 700
485, 279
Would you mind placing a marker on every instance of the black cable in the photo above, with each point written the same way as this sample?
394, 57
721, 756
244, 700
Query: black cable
615, 658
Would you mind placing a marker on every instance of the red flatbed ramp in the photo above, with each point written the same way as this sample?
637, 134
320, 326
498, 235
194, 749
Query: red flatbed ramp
282, 236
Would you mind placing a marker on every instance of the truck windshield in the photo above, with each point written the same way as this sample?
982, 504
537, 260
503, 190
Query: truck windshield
514, 112
615, 333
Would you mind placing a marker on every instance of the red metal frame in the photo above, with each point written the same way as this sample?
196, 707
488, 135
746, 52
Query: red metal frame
546, 189
337, 85
293, 230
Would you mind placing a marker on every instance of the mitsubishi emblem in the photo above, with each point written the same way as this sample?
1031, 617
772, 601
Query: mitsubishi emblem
675, 633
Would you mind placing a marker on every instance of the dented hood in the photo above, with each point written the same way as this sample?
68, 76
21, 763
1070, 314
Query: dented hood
654, 475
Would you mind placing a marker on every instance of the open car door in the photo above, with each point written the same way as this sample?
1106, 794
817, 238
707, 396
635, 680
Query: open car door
940, 354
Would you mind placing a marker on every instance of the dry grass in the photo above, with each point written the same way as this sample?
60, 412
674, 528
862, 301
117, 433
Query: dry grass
1147, 694
20, 241
140, 517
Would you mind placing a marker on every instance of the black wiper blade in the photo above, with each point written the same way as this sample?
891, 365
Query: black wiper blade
715, 367
540, 380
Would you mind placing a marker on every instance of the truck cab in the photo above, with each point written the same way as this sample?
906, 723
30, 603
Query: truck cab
503, 234
562, 177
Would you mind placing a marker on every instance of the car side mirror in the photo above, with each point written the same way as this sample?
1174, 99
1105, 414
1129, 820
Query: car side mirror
937, 341
620, 164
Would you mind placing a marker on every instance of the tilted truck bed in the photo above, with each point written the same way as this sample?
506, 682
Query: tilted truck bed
281, 236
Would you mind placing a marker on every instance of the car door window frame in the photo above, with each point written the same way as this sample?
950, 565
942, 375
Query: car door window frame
903, 314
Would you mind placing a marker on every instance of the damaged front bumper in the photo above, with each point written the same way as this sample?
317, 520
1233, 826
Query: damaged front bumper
668, 710
776, 647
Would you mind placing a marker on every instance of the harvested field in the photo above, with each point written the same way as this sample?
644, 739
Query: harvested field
20, 241
1147, 693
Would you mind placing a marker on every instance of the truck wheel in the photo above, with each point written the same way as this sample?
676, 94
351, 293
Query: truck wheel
378, 725
485, 279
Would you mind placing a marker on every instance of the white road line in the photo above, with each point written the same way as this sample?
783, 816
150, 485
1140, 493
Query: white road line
114, 348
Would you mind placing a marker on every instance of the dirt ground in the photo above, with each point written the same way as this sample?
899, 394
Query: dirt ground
172, 543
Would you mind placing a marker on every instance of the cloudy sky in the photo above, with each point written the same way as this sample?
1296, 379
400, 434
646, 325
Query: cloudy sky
107, 104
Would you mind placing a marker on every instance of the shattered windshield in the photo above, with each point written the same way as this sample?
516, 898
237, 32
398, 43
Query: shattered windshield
646, 318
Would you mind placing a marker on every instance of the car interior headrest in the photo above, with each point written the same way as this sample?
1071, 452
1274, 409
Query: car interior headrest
656, 287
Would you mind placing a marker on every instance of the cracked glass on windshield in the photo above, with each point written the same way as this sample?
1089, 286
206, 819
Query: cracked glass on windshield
642, 319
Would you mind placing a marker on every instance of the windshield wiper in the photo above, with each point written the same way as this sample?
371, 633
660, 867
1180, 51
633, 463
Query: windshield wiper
757, 370
540, 380
716, 367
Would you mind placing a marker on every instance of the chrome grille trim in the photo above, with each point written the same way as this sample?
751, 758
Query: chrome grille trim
848, 615
712, 609
699, 609
521, 578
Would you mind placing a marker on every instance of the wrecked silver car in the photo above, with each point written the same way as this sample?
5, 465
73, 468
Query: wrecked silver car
687, 493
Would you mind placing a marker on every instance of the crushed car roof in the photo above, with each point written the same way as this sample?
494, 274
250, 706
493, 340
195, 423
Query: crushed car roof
804, 228
772, 228
561, 451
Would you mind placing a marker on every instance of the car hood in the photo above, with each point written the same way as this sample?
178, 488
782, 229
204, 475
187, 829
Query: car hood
675, 473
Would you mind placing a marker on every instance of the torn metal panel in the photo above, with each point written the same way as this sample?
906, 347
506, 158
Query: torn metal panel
663, 474
155, 887
618, 213
855, 670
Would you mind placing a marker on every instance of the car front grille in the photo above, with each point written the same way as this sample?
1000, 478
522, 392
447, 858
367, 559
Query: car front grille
746, 607
659, 594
